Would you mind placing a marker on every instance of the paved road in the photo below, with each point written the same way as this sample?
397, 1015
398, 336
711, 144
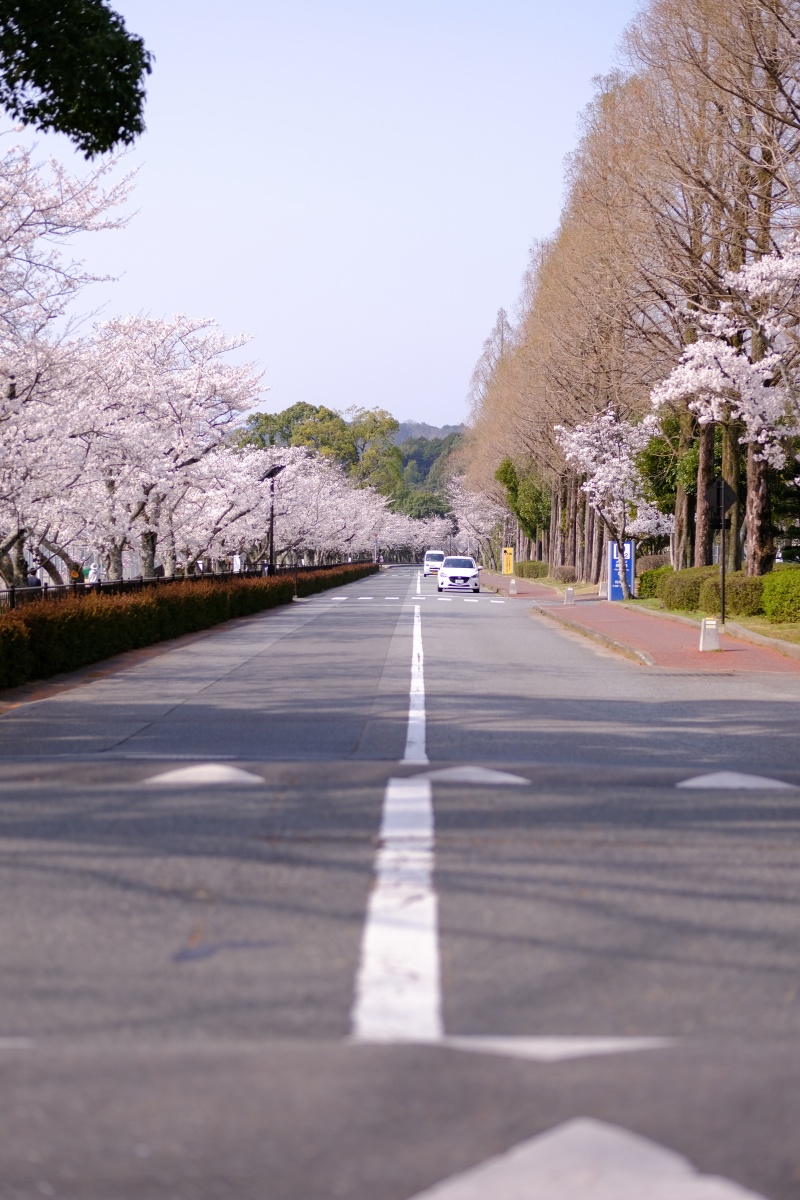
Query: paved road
331, 962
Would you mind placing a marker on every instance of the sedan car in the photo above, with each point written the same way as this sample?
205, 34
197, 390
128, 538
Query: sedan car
459, 575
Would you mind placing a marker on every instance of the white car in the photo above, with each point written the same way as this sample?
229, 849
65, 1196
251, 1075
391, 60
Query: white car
433, 560
459, 575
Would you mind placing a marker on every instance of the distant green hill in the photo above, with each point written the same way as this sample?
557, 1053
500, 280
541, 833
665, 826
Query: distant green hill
418, 429
426, 469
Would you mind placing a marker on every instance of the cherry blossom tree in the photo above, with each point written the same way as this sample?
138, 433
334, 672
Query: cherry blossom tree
604, 450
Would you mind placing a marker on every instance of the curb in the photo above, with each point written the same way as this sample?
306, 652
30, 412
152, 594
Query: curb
740, 632
631, 652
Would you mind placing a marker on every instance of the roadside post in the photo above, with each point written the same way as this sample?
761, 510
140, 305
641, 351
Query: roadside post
569, 595
720, 497
614, 581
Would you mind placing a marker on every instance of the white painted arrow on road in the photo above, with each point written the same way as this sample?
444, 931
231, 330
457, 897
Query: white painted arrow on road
587, 1160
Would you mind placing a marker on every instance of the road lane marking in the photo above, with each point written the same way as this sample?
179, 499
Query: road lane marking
734, 780
205, 773
391, 597
586, 1159
398, 991
415, 736
497, 601
470, 600
555, 1049
468, 774
418, 584
16, 1043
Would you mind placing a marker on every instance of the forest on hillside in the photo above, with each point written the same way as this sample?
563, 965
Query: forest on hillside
413, 474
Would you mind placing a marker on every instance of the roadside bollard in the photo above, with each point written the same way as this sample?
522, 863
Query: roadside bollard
512, 587
569, 596
709, 634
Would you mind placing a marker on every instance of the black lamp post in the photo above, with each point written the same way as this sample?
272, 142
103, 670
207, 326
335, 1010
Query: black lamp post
271, 475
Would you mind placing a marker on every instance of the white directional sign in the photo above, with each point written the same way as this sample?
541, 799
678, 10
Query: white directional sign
586, 1160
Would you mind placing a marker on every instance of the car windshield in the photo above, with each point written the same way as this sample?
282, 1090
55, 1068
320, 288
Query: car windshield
434, 557
459, 562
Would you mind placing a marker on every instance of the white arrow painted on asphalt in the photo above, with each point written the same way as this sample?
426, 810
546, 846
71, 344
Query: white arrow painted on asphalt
473, 775
554, 1049
206, 773
587, 1160
734, 780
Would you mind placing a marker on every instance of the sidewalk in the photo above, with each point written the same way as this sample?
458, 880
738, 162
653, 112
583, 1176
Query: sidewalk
651, 638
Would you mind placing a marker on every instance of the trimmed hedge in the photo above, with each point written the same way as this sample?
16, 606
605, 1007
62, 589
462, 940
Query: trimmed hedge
681, 589
310, 581
45, 638
781, 600
564, 574
743, 594
647, 582
530, 569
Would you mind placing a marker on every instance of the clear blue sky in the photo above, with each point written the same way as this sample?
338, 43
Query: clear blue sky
353, 182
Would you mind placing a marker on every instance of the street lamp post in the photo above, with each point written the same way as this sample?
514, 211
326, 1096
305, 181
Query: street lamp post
271, 475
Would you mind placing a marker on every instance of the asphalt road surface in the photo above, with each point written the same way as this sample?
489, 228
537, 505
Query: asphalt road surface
393, 896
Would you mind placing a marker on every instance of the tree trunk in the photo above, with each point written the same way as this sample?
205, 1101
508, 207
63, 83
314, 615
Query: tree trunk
598, 541
682, 538
555, 512
147, 553
703, 533
760, 548
731, 462
113, 557
571, 532
19, 563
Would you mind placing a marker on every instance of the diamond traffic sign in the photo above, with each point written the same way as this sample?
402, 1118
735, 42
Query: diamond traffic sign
720, 490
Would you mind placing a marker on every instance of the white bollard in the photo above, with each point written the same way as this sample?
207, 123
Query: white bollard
569, 596
709, 634
512, 587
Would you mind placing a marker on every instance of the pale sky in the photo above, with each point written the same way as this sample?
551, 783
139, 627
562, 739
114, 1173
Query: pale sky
355, 183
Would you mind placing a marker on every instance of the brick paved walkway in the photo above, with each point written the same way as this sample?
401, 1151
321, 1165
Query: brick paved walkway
669, 643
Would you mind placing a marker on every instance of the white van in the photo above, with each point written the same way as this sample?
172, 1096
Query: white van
433, 560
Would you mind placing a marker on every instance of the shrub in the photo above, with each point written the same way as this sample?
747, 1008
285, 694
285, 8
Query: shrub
781, 600
743, 594
73, 632
530, 569
681, 589
648, 581
651, 562
564, 574
15, 659
310, 581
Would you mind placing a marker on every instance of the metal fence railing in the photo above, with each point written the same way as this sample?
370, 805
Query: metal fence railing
14, 597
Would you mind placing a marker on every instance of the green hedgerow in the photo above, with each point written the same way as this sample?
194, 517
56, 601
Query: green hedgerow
781, 599
647, 582
681, 589
530, 569
743, 594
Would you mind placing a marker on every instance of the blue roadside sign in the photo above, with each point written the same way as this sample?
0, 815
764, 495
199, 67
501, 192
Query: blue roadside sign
614, 583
